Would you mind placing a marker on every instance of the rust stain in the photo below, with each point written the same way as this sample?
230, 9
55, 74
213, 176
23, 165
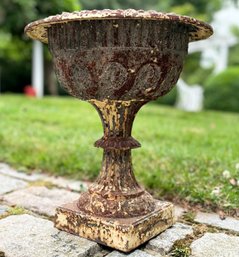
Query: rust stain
107, 69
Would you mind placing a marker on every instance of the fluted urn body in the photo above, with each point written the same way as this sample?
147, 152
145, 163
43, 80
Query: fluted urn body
118, 61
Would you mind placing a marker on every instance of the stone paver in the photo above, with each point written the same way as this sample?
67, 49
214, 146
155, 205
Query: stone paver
165, 241
136, 253
8, 184
28, 236
7, 170
213, 219
215, 245
78, 186
3, 209
25, 235
179, 211
40, 199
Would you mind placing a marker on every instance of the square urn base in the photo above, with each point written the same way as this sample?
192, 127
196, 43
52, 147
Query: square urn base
122, 234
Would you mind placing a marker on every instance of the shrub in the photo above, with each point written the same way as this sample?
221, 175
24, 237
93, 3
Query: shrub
169, 98
222, 91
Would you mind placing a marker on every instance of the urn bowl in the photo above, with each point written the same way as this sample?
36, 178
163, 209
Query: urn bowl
118, 55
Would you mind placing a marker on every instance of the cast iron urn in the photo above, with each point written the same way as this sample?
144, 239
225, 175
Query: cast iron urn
117, 60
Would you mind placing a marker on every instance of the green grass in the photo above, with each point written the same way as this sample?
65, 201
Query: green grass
183, 154
17, 210
181, 252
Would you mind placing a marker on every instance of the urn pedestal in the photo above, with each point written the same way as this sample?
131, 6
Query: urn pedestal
117, 60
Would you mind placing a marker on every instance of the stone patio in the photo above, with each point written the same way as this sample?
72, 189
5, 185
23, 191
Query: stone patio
29, 232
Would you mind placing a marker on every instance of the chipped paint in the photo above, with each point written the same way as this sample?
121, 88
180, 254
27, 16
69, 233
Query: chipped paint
121, 234
116, 193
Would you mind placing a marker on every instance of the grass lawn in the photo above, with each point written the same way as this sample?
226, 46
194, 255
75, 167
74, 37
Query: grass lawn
183, 155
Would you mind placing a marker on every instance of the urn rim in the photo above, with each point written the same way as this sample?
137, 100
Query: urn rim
37, 30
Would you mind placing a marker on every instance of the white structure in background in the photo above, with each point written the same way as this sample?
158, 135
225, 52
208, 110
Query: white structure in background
216, 49
214, 53
190, 98
37, 68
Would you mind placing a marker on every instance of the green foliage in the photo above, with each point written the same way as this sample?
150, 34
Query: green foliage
189, 10
189, 216
15, 47
200, 9
192, 72
182, 251
17, 210
222, 91
15, 14
117, 4
168, 99
233, 55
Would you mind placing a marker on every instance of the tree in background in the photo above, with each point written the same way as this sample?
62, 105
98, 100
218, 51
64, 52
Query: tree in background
15, 47
197, 8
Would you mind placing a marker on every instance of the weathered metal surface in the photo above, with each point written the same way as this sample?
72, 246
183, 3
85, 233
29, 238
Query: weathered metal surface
122, 234
117, 61
197, 29
135, 60
117, 119
116, 192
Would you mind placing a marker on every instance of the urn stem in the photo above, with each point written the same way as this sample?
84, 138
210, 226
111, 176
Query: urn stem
116, 193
